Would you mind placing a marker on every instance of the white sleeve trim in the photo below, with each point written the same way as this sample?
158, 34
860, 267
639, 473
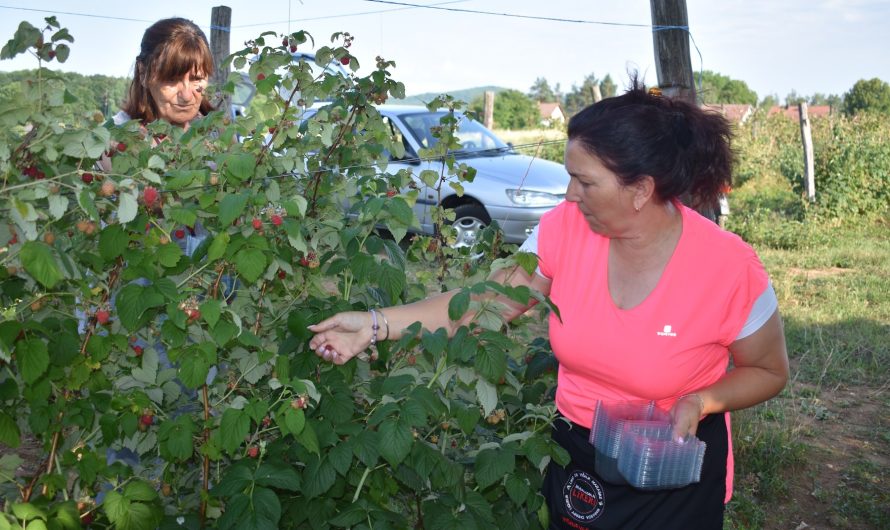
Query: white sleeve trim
531, 245
764, 307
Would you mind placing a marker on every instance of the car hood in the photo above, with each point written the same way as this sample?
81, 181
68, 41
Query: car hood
512, 171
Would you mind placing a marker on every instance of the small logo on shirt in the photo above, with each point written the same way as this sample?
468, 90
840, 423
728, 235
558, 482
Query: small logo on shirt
667, 332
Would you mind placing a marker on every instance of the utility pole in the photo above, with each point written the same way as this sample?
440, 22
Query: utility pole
220, 33
672, 60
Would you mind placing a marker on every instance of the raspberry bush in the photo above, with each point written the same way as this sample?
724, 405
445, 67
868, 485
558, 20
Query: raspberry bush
165, 388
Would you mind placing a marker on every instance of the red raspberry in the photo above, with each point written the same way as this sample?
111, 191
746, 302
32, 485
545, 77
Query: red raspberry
391, 193
121, 146
276, 220
137, 349
149, 196
87, 178
147, 419
179, 234
344, 60
260, 76
253, 451
102, 316
281, 274
257, 224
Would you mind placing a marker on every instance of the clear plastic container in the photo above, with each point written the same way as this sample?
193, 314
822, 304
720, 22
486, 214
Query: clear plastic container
634, 445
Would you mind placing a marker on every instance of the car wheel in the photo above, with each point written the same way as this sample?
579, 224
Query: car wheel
469, 220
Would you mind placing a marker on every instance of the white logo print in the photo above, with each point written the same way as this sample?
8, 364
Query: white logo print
667, 332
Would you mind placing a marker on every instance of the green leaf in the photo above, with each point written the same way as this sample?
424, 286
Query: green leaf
365, 446
25, 36
233, 428
266, 504
294, 420
517, 488
459, 304
492, 464
116, 507
250, 263
241, 166
527, 260
318, 477
127, 207
278, 475
218, 246
39, 261
9, 431
87, 204
487, 395
139, 490
112, 242
27, 511
193, 370
395, 441
58, 205
391, 280
168, 255
210, 311
434, 343
341, 457
235, 480
309, 439
176, 438
491, 362
32, 358
231, 207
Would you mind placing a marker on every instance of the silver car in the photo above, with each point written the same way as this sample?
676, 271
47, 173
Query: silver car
513, 189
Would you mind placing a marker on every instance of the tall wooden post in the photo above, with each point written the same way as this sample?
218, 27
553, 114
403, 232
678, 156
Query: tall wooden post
809, 164
672, 61
220, 33
488, 110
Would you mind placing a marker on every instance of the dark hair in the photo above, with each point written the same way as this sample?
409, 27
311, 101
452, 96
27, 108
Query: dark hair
171, 48
685, 149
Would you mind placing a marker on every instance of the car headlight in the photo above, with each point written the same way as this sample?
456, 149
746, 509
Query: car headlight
533, 198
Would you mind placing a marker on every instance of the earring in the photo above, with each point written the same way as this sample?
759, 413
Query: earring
637, 208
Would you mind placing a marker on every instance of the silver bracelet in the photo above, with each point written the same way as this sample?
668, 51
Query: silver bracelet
374, 328
701, 402
385, 323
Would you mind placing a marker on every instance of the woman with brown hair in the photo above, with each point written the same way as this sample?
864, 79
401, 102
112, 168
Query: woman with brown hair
170, 78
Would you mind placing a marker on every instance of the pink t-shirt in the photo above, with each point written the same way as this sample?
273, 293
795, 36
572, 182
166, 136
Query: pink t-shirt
673, 343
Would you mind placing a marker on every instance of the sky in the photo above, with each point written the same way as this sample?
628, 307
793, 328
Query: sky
808, 46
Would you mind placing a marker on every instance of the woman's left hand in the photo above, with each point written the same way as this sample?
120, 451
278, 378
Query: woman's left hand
685, 415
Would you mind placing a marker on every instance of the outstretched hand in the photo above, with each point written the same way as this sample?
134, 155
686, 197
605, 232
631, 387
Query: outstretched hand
341, 337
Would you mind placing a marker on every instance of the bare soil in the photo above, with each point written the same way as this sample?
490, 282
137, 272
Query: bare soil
847, 433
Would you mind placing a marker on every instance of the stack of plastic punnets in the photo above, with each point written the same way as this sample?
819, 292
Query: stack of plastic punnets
635, 445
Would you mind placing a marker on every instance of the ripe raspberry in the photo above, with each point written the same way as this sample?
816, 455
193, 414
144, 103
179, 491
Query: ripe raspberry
281, 274
253, 451
149, 196
87, 178
260, 76
121, 146
137, 349
102, 316
179, 234
257, 224
147, 419
276, 220
344, 60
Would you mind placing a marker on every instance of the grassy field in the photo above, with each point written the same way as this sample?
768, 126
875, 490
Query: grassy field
818, 456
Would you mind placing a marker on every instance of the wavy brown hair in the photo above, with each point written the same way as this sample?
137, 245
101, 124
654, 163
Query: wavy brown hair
171, 48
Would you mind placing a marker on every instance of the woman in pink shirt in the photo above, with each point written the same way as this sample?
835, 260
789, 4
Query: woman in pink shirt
654, 301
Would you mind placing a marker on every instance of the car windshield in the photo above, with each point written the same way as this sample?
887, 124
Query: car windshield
472, 135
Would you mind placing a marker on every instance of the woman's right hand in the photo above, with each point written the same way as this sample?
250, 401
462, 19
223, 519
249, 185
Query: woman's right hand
342, 336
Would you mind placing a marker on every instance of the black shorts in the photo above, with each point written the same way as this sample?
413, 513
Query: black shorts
578, 498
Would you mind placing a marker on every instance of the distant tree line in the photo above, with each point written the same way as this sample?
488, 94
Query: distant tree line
83, 93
